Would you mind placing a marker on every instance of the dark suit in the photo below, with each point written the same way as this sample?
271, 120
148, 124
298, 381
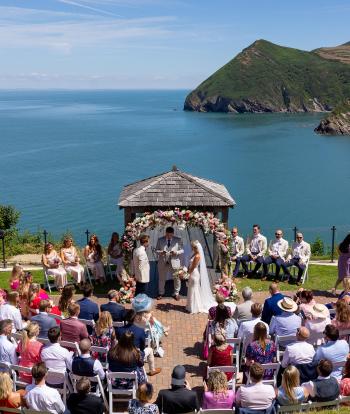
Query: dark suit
85, 404
117, 311
73, 330
177, 400
270, 307
88, 309
45, 322
139, 335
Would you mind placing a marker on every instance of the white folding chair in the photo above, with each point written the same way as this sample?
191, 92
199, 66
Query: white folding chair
275, 366
122, 395
110, 272
236, 342
282, 341
47, 283
96, 380
88, 322
71, 346
216, 411
226, 369
63, 377
16, 371
102, 353
118, 324
44, 341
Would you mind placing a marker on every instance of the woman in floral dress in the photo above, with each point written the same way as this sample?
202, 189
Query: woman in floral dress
103, 333
142, 403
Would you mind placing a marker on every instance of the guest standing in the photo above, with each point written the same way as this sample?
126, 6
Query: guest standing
216, 393
141, 265
16, 275
343, 261
71, 260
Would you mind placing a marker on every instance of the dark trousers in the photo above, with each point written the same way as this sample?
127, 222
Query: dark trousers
278, 262
247, 258
141, 288
294, 262
236, 269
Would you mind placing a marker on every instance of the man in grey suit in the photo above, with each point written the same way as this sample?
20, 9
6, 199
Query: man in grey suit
168, 249
44, 321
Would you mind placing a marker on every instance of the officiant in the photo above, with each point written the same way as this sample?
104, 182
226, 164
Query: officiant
169, 249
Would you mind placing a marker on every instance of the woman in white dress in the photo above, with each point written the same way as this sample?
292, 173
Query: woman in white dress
53, 266
199, 295
116, 255
93, 255
71, 260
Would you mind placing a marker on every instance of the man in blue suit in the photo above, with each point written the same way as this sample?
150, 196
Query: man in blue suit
270, 306
117, 311
88, 309
44, 321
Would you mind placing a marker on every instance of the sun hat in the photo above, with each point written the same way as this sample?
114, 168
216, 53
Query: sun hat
142, 303
287, 304
320, 311
178, 376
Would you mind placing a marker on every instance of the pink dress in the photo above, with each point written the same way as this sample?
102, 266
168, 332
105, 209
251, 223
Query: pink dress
14, 285
29, 357
219, 401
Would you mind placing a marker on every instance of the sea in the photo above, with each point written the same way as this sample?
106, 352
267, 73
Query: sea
66, 155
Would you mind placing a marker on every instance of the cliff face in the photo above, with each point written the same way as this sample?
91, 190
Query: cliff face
269, 78
337, 123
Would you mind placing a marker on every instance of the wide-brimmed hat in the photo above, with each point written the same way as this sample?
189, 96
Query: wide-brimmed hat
178, 376
287, 304
142, 303
320, 311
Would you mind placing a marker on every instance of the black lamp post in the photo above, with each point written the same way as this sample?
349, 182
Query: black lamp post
2, 238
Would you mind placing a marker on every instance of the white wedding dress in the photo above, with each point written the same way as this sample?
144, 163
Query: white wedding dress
199, 294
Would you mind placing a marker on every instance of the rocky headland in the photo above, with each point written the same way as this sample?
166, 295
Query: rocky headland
337, 123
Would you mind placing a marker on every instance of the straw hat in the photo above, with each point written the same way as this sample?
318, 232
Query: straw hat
287, 304
320, 311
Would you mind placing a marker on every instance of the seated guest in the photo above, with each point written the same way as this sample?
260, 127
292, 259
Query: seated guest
287, 322
290, 392
237, 251
179, 398
246, 328
257, 395
306, 302
82, 401
88, 308
39, 396
270, 307
29, 349
8, 397
345, 381
24, 287
317, 320
44, 321
71, 329
70, 260
53, 265
345, 294
300, 256
142, 404
65, 299
243, 310
221, 353
55, 356
7, 348
220, 299
262, 349
299, 352
9, 310
256, 247
93, 255
35, 295
216, 392
115, 309
103, 333
334, 350
115, 253
125, 357
325, 387
15, 278
84, 364
342, 315
223, 321
277, 254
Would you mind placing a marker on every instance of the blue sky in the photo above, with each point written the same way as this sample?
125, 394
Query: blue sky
150, 43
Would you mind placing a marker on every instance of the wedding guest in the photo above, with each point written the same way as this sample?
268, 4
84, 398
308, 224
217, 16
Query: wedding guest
84, 364
343, 261
306, 302
290, 392
257, 395
71, 329
256, 247
243, 310
93, 255
24, 286
66, 299
53, 265
246, 328
277, 254
83, 401
270, 307
116, 255
8, 397
9, 310
115, 309
220, 299
16, 275
287, 322
103, 333
29, 349
88, 308
35, 295
179, 398
342, 316
221, 353
301, 253
216, 392
222, 320
345, 294
299, 352
71, 260
317, 322
237, 251
3, 296
345, 381
141, 265
44, 321
39, 396
7, 348
142, 404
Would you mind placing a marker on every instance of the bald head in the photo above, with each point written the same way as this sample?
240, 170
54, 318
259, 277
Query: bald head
273, 288
85, 346
303, 334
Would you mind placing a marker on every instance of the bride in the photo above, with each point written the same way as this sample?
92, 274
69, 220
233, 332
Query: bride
199, 295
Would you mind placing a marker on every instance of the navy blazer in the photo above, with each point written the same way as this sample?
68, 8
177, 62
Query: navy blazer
88, 309
270, 307
45, 322
117, 311
139, 335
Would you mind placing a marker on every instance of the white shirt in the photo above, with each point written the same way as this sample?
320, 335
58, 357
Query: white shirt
301, 251
8, 311
257, 245
44, 398
141, 265
246, 331
237, 246
7, 351
310, 387
278, 247
299, 352
257, 396
58, 358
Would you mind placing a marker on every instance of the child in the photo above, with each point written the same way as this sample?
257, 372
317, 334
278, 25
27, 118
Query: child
16, 275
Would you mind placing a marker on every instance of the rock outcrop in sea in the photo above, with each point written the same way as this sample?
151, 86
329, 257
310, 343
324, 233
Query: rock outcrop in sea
337, 123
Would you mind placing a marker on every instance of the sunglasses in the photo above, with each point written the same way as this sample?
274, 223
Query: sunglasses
278, 234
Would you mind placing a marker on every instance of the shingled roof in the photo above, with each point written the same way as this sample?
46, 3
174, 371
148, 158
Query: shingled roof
175, 188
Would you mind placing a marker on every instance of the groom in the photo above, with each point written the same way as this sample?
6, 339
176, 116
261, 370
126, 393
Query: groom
168, 250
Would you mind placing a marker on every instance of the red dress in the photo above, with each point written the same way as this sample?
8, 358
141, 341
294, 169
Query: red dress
222, 358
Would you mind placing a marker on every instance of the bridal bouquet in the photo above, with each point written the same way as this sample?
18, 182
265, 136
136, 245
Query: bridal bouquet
181, 273
127, 292
227, 288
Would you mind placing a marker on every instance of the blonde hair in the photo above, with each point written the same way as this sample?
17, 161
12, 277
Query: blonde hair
29, 332
217, 383
33, 288
290, 380
219, 298
16, 273
194, 245
6, 385
104, 323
